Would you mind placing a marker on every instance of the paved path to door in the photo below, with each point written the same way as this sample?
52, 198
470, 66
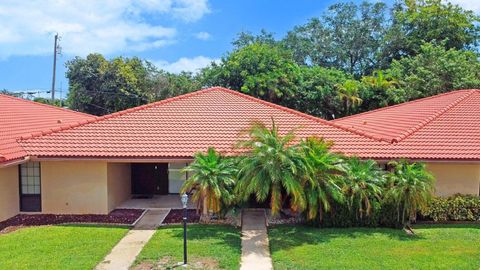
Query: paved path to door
255, 248
124, 253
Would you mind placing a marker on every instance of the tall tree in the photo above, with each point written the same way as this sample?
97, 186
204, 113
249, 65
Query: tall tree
258, 69
416, 22
380, 90
317, 93
436, 70
244, 39
347, 37
98, 86
166, 84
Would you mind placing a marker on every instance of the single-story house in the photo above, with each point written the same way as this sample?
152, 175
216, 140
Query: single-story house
58, 161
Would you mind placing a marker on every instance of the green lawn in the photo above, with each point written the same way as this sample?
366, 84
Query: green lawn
57, 247
433, 247
213, 246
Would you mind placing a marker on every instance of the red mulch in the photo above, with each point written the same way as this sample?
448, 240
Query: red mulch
118, 216
176, 216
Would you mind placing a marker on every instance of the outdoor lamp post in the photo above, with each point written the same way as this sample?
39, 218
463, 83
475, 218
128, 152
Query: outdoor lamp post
184, 202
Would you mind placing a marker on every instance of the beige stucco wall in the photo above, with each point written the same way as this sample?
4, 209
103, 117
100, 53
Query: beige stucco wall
119, 184
9, 194
74, 187
452, 178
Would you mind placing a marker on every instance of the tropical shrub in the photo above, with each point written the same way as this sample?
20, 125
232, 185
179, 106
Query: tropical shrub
271, 168
410, 188
363, 185
341, 216
454, 208
211, 181
322, 183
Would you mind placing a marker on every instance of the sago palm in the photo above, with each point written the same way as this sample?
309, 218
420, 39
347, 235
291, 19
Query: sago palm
411, 188
364, 183
321, 184
212, 179
271, 167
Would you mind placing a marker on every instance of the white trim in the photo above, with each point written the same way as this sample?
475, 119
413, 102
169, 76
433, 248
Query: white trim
14, 162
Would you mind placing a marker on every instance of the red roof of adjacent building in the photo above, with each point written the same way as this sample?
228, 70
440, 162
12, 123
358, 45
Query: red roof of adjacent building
181, 126
446, 126
20, 117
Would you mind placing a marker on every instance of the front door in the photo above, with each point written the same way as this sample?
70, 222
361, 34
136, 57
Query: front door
150, 178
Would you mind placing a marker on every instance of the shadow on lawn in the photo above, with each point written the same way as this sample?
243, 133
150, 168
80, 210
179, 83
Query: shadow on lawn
290, 236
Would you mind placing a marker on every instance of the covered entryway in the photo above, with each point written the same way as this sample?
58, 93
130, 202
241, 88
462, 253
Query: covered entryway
150, 178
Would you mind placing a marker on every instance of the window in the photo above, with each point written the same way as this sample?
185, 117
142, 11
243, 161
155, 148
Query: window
30, 187
176, 177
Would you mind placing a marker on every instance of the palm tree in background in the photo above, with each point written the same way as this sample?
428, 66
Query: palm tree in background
212, 178
411, 187
271, 168
322, 184
364, 183
348, 93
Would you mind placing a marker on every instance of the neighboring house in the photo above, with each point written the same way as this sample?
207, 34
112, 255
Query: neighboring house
93, 164
443, 131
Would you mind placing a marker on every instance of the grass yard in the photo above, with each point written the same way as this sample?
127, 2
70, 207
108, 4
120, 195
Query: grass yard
433, 247
209, 246
58, 247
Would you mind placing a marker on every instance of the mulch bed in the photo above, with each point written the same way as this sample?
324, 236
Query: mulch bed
176, 216
118, 216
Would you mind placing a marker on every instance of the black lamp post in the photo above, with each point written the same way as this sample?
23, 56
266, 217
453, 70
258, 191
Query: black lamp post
184, 202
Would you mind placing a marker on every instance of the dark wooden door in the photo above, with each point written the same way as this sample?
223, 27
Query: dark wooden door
161, 172
143, 178
150, 178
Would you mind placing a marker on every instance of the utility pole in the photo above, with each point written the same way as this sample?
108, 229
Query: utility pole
55, 48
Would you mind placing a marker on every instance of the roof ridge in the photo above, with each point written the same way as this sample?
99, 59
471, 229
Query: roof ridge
429, 119
402, 104
304, 115
112, 115
46, 105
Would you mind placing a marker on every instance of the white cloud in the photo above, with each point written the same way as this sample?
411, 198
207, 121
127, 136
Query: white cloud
473, 5
202, 35
27, 27
185, 64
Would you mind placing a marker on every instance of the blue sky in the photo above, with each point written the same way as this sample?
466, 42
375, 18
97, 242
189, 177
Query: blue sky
174, 34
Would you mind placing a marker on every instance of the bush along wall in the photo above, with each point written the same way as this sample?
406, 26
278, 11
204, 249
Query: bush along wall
341, 216
455, 208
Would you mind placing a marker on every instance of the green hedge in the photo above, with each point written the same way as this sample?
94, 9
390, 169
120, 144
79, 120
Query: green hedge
383, 215
455, 208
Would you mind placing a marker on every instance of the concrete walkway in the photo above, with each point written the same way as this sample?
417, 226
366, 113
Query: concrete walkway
255, 248
124, 253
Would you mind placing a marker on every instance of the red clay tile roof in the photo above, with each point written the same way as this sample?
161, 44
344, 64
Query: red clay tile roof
20, 117
445, 126
181, 126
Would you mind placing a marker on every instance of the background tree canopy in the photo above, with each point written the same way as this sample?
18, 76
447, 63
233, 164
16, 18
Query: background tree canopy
353, 58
